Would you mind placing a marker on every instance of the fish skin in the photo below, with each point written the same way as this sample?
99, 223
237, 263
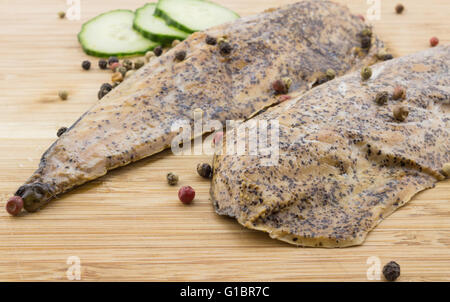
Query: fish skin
345, 163
134, 120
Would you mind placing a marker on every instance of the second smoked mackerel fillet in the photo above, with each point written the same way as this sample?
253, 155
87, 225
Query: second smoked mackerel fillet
134, 120
344, 162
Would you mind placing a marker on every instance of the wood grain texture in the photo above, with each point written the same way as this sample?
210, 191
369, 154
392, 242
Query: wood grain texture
129, 225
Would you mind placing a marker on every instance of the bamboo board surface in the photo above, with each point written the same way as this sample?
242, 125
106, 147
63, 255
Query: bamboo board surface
129, 225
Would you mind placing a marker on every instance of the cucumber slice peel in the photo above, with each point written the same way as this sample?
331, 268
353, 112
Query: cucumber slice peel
112, 34
193, 15
155, 28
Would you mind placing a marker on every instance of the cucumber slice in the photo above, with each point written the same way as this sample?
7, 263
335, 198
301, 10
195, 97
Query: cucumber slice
155, 28
193, 15
112, 34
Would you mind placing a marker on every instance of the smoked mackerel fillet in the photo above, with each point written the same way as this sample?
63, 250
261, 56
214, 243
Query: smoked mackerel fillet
345, 163
299, 41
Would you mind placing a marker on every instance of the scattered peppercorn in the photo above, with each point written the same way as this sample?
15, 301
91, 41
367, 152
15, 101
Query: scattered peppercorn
180, 55
365, 42
138, 64
287, 82
61, 14
63, 95
14, 205
366, 73
401, 113
112, 60
106, 86
149, 55
210, 40
102, 64
388, 57
225, 48
61, 131
399, 93
172, 179
381, 98
204, 170
361, 17
122, 70
117, 77
186, 194
127, 64
175, 43
114, 66
158, 51
399, 8
86, 65
391, 271
330, 73
279, 87
322, 78
434, 41
366, 32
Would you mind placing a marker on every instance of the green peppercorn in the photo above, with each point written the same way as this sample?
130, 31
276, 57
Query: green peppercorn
127, 64
391, 271
122, 70
63, 95
446, 170
61, 14
401, 113
330, 73
172, 179
366, 32
204, 170
61, 131
138, 64
366, 73
381, 98
175, 43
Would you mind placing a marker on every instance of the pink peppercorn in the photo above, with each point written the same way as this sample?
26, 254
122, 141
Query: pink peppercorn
14, 205
284, 97
186, 194
114, 66
361, 17
218, 138
434, 41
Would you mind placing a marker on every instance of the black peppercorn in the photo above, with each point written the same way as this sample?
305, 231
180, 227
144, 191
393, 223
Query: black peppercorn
204, 170
61, 131
365, 42
388, 57
102, 64
381, 98
86, 65
210, 40
113, 60
106, 86
158, 51
225, 48
180, 55
391, 271
399, 8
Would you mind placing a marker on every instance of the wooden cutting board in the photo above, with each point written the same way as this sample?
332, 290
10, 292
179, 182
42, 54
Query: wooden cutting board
130, 225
